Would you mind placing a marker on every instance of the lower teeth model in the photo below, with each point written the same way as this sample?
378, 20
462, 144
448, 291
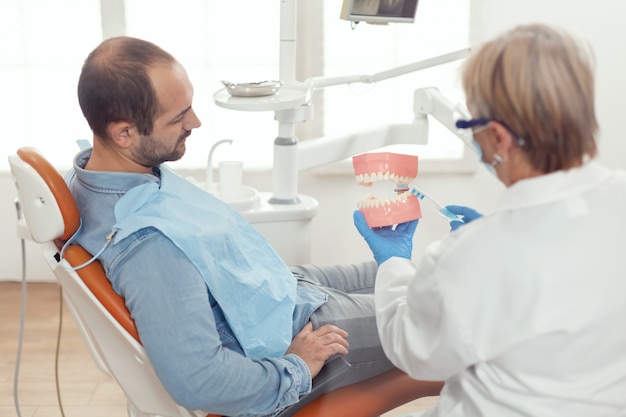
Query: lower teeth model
386, 166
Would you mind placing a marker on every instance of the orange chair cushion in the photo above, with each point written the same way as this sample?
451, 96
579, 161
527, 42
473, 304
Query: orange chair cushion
95, 279
56, 184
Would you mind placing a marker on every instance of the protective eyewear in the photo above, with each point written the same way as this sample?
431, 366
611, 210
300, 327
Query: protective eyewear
478, 125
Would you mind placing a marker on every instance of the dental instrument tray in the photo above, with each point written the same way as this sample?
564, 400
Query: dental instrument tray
254, 89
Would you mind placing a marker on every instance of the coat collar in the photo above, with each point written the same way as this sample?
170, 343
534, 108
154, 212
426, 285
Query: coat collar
554, 186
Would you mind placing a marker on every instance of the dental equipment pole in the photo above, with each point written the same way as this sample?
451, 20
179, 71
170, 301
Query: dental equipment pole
285, 166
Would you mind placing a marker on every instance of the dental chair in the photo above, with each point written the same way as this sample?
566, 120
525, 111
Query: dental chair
52, 217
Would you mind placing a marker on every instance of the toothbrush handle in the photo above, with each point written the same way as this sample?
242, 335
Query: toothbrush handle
444, 211
449, 215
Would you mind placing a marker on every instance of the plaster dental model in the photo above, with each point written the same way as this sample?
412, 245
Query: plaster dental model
386, 166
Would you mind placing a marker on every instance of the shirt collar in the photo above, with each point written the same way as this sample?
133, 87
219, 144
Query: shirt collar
110, 181
554, 186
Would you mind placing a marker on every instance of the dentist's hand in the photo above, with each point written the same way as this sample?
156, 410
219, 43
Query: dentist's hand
468, 214
385, 242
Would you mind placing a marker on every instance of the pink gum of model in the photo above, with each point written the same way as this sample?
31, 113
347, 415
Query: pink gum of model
397, 211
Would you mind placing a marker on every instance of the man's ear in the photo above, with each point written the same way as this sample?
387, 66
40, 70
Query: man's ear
122, 133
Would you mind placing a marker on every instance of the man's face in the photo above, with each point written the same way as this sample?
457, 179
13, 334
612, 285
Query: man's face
175, 121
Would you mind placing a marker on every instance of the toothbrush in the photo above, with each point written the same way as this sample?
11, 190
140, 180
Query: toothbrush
444, 211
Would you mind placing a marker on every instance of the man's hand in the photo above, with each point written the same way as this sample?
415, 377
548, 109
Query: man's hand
314, 347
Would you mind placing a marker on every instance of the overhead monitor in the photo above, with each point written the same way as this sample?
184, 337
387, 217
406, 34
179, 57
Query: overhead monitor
379, 11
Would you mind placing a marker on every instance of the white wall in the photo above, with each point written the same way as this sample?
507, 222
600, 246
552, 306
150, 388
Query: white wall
334, 238
601, 22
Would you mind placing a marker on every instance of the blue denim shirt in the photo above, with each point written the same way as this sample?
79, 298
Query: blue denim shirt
182, 328
258, 303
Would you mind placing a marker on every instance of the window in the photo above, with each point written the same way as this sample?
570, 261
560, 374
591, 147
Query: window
227, 40
235, 41
43, 47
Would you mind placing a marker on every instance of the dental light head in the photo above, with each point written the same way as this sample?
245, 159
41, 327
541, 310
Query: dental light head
396, 168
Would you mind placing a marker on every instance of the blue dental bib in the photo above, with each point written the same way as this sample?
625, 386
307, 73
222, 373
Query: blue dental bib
248, 279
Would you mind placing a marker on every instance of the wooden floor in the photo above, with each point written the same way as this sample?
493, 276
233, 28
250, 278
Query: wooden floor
84, 389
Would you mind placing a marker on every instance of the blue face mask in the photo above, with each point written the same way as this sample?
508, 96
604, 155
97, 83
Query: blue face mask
479, 152
476, 125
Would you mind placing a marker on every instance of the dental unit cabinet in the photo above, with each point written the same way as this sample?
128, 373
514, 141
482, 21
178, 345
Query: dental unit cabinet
283, 215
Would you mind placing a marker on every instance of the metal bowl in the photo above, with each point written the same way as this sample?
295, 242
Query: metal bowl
255, 89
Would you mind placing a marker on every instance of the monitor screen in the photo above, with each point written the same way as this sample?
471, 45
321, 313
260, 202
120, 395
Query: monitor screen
379, 11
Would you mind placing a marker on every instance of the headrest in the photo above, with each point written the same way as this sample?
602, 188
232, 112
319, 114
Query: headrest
49, 208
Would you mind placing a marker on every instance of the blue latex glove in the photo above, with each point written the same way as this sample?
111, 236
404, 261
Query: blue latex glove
468, 214
386, 242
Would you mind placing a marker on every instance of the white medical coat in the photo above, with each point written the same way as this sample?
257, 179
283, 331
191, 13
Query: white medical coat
522, 312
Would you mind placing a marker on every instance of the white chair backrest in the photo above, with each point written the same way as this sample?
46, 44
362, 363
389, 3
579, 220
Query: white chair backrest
123, 356
41, 212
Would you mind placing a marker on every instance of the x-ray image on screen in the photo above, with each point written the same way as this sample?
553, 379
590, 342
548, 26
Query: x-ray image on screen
379, 11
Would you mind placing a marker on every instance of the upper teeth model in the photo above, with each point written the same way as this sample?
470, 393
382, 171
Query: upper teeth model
386, 166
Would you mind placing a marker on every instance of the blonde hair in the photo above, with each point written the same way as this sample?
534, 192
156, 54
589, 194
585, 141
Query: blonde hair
538, 81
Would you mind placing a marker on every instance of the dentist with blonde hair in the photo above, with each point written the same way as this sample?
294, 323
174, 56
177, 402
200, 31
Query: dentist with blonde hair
520, 311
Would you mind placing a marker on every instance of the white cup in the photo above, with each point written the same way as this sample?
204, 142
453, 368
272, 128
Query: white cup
231, 176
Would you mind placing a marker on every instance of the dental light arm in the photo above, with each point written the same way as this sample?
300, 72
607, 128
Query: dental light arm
430, 102
321, 82
426, 102
322, 151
